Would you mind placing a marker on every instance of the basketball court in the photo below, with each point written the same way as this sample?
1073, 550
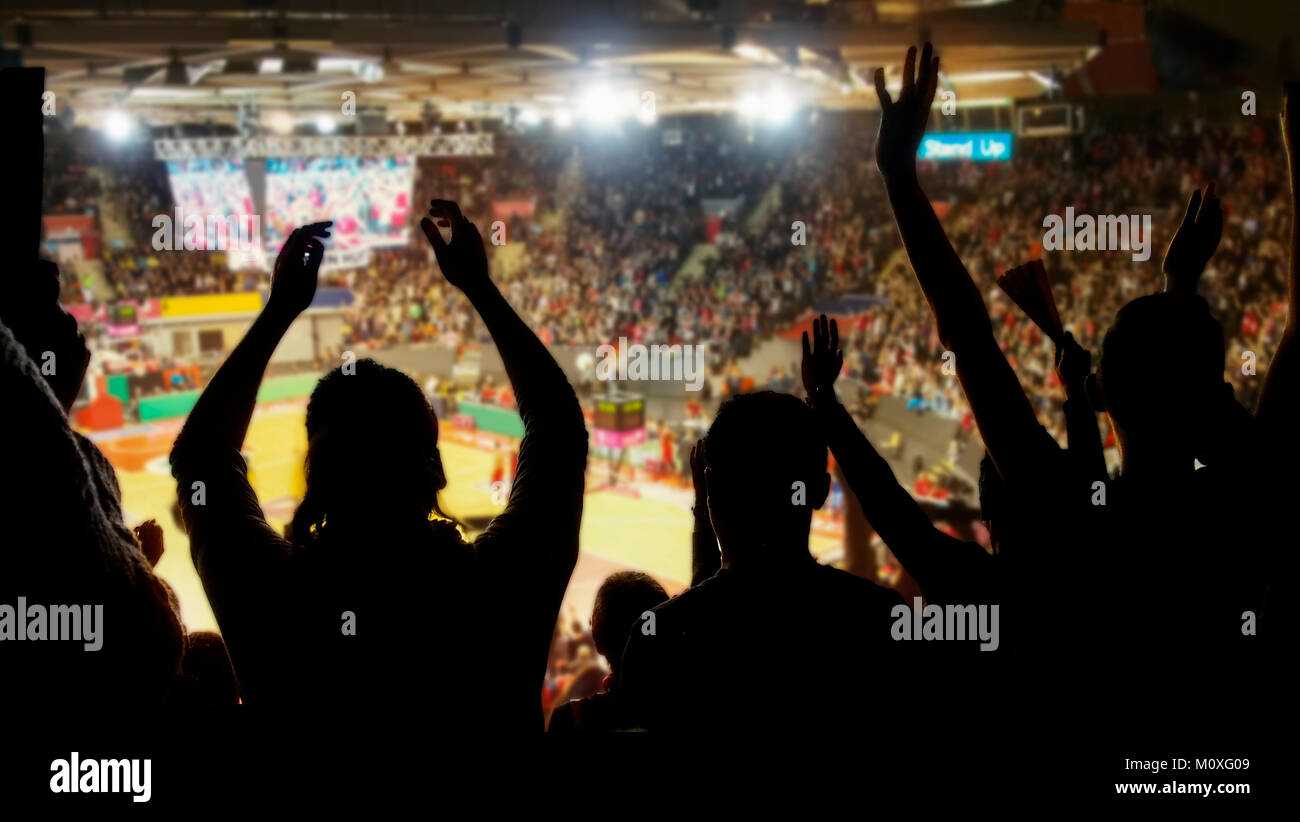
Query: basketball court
625, 527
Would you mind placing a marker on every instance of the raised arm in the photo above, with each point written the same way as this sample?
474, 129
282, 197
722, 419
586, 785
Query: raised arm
1280, 398
946, 568
541, 519
1018, 443
1073, 364
220, 418
238, 556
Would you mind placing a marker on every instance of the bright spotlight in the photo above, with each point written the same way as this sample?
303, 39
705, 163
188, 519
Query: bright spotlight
749, 107
118, 126
370, 72
777, 108
529, 117
600, 106
563, 118
325, 124
281, 122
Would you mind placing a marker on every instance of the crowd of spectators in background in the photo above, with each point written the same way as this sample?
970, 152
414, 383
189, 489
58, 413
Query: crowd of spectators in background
604, 249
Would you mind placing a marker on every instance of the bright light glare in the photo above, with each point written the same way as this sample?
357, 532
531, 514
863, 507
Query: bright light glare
600, 106
325, 124
117, 126
529, 117
281, 122
773, 107
563, 118
970, 78
777, 108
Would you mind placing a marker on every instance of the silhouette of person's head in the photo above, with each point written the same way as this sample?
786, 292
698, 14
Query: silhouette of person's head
46, 330
766, 473
620, 601
372, 452
1161, 372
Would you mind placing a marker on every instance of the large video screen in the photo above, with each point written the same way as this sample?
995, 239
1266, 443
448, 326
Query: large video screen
217, 188
368, 198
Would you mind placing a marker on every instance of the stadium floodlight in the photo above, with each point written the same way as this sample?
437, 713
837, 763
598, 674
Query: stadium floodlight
749, 107
1043, 80
600, 106
270, 65
972, 77
777, 107
325, 124
773, 107
281, 122
757, 54
117, 125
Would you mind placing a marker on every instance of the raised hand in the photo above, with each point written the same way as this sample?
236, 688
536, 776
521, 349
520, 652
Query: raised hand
293, 284
463, 261
1195, 241
1073, 364
822, 361
902, 121
150, 536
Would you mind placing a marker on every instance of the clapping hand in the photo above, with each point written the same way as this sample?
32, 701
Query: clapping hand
463, 260
150, 536
1195, 241
293, 284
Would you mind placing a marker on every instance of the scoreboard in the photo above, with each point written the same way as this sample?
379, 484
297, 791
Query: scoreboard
123, 313
122, 320
620, 420
624, 412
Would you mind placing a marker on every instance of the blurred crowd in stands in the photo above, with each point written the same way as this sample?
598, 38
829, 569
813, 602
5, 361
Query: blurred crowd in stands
610, 243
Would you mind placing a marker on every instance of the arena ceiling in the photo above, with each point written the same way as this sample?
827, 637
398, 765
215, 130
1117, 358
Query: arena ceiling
171, 61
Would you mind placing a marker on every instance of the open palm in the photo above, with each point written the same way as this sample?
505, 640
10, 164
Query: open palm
902, 121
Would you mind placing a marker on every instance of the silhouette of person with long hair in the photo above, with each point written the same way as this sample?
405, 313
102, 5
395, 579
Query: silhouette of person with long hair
375, 597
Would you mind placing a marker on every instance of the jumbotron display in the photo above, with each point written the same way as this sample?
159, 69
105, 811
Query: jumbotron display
368, 198
217, 188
